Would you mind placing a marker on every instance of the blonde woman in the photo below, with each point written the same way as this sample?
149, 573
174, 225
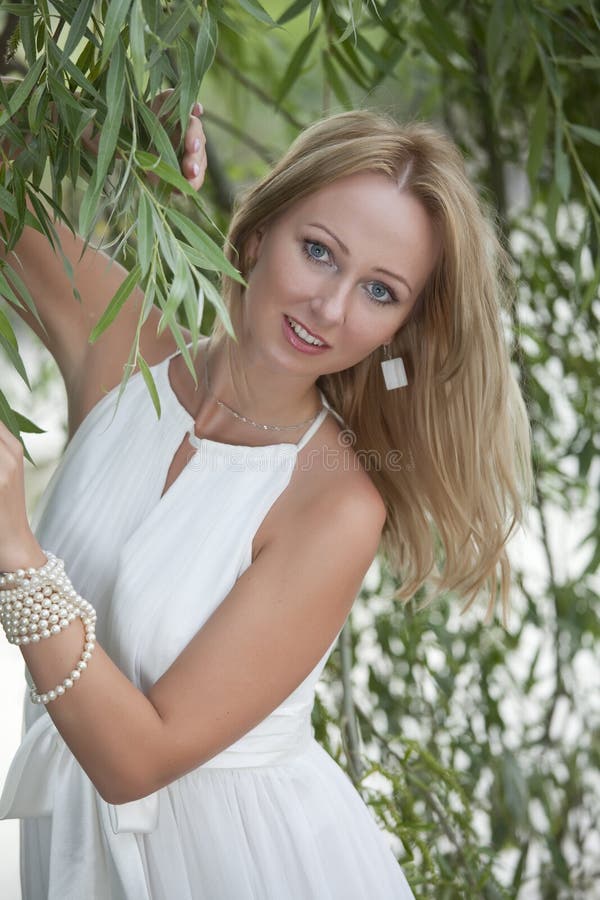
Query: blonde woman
202, 565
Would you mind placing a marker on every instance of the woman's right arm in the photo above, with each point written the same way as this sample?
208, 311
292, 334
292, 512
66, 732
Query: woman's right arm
69, 321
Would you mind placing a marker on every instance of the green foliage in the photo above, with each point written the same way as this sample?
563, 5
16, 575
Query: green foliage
481, 742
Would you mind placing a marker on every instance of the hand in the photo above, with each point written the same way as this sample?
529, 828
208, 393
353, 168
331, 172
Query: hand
194, 161
18, 546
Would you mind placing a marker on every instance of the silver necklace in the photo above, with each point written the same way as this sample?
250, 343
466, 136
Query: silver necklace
245, 418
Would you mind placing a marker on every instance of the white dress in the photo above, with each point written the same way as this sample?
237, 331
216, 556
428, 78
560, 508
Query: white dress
272, 817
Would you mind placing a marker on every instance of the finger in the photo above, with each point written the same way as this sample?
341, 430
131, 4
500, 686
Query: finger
195, 139
193, 168
197, 180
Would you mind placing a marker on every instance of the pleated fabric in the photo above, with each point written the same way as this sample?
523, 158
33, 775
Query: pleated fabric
272, 816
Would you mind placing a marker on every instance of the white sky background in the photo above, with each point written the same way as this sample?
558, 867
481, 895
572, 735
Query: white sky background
48, 409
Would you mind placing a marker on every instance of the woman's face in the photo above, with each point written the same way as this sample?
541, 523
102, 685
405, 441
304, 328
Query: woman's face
347, 263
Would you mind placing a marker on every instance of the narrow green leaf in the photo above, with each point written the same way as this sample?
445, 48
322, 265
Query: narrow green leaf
257, 11
77, 28
115, 18
158, 135
14, 357
314, 9
85, 118
81, 81
63, 98
588, 134
149, 382
22, 92
14, 289
443, 30
296, 64
337, 52
593, 189
538, 133
497, 25
150, 163
170, 31
335, 81
188, 88
377, 57
89, 207
7, 202
36, 110
11, 420
552, 204
166, 241
206, 46
562, 170
213, 296
137, 45
7, 416
43, 223
6, 330
115, 97
202, 243
292, 11
27, 33
145, 236
196, 258
18, 9
179, 285
115, 304
152, 12
27, 425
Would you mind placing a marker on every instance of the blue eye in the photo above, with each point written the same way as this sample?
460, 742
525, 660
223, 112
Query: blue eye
320, 254
382, 293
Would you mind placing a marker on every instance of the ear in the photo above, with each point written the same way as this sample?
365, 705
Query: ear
253, 244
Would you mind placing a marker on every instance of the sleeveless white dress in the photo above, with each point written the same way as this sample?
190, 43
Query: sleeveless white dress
272, 817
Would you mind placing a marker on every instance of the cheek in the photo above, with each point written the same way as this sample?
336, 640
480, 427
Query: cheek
287, 274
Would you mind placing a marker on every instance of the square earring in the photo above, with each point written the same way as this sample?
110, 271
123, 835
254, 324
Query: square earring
393, 370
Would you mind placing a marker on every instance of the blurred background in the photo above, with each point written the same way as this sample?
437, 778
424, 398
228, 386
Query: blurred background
476, 747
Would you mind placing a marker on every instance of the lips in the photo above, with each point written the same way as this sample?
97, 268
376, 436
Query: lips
312, 333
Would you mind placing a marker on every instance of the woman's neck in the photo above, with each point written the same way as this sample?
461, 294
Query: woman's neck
244, 384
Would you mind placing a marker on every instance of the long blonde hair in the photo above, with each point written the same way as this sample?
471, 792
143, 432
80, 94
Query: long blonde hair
456, 441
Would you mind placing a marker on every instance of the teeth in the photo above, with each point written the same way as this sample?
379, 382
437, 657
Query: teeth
301, 332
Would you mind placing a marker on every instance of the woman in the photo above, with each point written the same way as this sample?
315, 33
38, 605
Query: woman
221, 547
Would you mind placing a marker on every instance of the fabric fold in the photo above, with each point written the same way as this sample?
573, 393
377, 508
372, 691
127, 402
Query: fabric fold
45, 779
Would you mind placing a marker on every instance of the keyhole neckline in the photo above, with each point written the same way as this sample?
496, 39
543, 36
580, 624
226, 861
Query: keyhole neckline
205, 443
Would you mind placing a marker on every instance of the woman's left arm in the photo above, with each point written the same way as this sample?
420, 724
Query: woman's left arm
257, 647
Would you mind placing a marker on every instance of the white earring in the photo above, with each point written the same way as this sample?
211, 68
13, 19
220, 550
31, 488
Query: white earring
393, 370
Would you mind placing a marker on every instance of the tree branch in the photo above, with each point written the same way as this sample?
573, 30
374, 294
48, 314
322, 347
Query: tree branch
257, 91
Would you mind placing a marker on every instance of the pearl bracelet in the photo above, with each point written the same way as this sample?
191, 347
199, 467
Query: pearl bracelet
36, 604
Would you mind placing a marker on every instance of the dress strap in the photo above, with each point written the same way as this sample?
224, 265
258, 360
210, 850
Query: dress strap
315, 425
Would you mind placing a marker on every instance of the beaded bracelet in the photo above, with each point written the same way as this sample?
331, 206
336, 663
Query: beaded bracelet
36, 604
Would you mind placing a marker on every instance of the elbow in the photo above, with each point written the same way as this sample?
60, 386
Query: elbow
116, 795
124, 788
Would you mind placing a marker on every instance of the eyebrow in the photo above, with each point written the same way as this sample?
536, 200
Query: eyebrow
347, 252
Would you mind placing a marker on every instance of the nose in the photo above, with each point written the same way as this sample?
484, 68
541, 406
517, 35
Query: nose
331, 304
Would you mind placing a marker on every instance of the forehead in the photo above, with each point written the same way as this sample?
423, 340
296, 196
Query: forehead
375, 219
366, 203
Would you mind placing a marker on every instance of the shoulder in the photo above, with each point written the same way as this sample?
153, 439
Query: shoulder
335, 494
351, 504
338, 480
329, 492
